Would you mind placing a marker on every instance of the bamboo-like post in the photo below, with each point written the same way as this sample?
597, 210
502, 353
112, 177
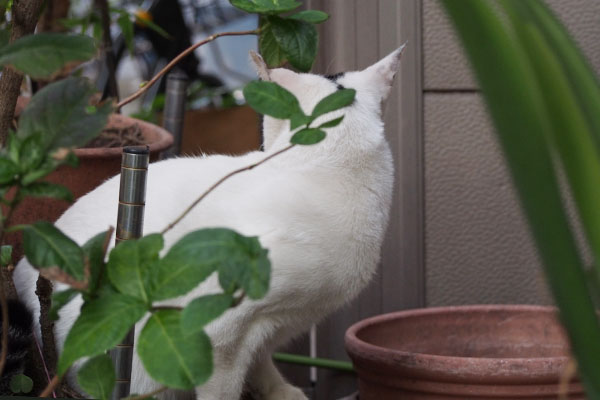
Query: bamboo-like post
130, 223
175, 109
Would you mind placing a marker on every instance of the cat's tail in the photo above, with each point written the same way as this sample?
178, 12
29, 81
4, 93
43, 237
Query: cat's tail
20, 336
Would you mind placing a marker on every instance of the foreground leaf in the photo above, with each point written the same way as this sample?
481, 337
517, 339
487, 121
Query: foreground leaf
271, 99
97, 377
46, 246
102, 324
172, 358
269, 49
43, 54
312, 16
266, 6
93, 251
59, 300
298, 39
47, 189
336, 100
203, 310
60, 111
308, 136
5, 255
8, 171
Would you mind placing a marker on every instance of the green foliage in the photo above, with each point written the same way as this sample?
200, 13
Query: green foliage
5, 255
43, 54
271, 99
308, 136
93, 251
46, 246
102, 324
171, 357
59, 300
47, 189
336, 100
203, 310
312, 16
297, 39
543, 98
266, 6
97, 377
20, 384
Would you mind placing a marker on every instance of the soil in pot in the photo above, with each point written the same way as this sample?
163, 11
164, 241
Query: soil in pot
469, 352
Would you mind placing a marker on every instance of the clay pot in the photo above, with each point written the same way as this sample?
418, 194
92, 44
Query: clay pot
95, 166
464, 352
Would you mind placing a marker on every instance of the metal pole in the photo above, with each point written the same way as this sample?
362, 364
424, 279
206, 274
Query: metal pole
175, 110
130, 223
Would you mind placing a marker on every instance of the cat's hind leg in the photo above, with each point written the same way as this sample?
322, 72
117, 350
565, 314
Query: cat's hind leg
268, 383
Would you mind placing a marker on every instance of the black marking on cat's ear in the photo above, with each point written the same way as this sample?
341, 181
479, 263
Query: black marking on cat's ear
340, 87
334, 77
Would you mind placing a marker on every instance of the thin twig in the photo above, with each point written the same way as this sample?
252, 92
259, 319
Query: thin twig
174, 61
51, 386
39, 348
159, 308
145, 396
223, 179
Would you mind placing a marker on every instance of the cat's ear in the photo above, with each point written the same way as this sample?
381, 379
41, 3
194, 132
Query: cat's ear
381, 74
260, 66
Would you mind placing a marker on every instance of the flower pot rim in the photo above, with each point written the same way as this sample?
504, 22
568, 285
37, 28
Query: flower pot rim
452, 368
161, 139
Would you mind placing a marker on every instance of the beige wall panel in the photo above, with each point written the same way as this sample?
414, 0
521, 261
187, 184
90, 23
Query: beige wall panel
445, 67
478, 248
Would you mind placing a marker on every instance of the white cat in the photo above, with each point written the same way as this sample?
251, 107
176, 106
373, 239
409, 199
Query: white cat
321, 210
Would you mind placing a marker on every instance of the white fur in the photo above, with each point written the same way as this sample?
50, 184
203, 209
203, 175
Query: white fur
321, 211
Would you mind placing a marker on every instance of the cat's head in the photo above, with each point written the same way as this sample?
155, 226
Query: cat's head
372, 86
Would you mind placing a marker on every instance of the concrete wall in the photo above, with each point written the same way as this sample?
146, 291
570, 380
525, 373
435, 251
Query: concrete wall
477, 246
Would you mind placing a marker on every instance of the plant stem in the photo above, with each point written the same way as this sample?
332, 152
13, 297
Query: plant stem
145, 396
25, 14
109, 55
219, 182
159, 308
174, 61
51, 386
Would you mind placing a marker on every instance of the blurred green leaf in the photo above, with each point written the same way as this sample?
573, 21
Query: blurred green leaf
516, 102
4, 37
129, 265
47, 189
5, 255
308, 136
59, 111
126, 25
97, 377
172, 358
271, 99
20, 384
43, 54
59, 300
102, 324
8, 171
270, 50
297, 39
266, 6
46, 246
312, 16
13, 147
336, 100
153, 26
31, 152
93, 251
203, 310
299, 119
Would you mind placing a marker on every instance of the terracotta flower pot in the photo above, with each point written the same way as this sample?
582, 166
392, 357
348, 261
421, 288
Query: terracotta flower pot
464, 352
95, 166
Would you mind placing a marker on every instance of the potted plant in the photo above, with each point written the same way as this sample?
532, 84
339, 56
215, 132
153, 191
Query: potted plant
60, 117
543, 98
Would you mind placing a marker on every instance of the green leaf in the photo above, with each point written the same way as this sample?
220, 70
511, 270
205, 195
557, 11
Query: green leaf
266, 6
97, 377
297, 120
93, 251
129, 265
512, 86
4, 37
31, 152
308, 136
203, 310
47, 189
331, 124
59, 111
271, 99
21, 384
102, 324
270, 50
126, 26
5, 255
336, 100
8, 171
46, 246
298, 39
172, 358
312, 16
43, 54
13, 146
59, 300
153, 26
